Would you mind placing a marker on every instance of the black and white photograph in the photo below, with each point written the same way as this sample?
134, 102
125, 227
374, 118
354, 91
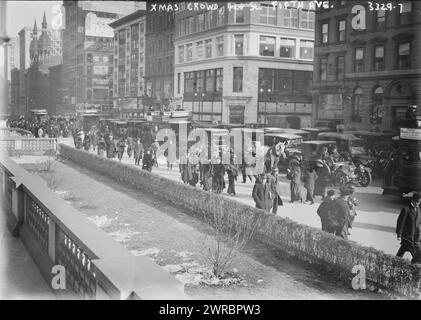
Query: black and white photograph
210, 151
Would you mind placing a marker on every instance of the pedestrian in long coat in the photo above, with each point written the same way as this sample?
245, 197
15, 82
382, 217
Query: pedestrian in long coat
295, 184
86, 142
232, 172
326, 211
130, 146
321, 182
275, 187
340, 218
408, 228
309, 182
121, 145
138, 150
206, 176
218, 182
101, 146
261, 193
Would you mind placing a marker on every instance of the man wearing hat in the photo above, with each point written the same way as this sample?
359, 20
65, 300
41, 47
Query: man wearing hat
408, 228
325, 211
275, 189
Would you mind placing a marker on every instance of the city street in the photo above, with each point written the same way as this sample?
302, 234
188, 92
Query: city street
374, 225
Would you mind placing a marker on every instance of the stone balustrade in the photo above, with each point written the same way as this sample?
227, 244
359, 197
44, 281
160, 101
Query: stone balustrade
28, 146
54, 233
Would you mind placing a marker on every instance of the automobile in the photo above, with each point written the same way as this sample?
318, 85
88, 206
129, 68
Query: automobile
352, 149
349, 146
340, 173
377, 149
403, 171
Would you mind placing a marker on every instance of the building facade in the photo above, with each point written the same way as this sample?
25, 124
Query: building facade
129, 65
367, 64
159, 59
246, 64
44, 52
88, 50
56, 105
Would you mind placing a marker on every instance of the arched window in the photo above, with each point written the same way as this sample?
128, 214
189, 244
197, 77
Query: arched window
356, 107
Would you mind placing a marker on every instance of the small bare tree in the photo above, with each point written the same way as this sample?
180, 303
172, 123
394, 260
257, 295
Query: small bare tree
229, 235
53, 180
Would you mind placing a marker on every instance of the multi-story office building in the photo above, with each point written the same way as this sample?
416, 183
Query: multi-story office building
88, 50
129, 64
44, 52
12, 55
367, 63
246, 63
11, 62
159, 58
25, 37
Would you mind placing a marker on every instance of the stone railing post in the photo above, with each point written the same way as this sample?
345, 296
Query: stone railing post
52, 240
18, 207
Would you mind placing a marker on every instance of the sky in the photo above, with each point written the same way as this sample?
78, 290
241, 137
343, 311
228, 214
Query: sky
23, 13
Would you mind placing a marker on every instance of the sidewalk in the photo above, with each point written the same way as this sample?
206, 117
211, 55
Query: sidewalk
20, 278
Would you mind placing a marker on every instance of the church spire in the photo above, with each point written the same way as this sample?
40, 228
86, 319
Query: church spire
44, 22
35, 30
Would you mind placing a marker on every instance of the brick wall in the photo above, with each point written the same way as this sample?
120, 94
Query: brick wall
305, 243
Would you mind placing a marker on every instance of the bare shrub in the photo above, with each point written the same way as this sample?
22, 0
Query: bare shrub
229, 235
48, 165
53, 180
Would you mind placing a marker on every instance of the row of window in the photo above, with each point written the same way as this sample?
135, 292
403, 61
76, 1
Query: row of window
287, 48
379, 23
403, 60
201, 22
159, 65
292, 17
285, 81
270, 81
210, 80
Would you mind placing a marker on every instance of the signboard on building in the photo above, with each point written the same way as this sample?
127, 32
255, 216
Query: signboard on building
100, 82
100, 70
411, 134
98, 27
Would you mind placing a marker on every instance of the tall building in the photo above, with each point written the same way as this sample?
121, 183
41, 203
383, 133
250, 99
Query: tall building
25, 37
12, 55
367, 64
159, 58
129, 64
44, 52
242, 63
88, 50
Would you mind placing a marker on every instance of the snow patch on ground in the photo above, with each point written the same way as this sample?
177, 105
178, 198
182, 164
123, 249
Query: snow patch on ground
101, 221
185, 255
193, 273
123, 235
61, 193
151, 252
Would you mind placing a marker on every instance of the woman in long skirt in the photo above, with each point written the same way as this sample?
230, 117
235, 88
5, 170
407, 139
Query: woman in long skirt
295, 184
